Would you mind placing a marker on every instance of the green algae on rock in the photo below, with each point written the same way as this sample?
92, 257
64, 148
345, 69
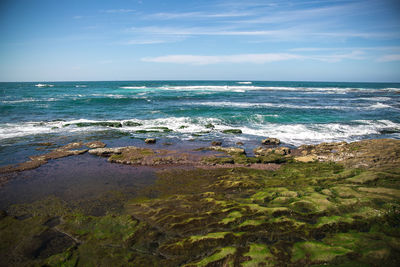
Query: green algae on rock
232, 131
303, 214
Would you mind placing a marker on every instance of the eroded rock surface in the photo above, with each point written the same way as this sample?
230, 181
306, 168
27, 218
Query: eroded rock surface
376, 153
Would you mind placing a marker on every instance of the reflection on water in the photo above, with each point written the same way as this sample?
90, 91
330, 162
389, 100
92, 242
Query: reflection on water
75, 179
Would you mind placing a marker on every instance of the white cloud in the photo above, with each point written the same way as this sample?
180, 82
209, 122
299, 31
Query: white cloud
358, 55
144, 42
361, 48
389, 58
122, 10
208, 31
240, 58
286, 33
191, 15
251, 58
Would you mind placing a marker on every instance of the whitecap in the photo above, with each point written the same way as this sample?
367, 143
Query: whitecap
133, 87
244, 82
380, 105
44, 85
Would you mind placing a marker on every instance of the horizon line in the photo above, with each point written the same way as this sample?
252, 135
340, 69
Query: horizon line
194, 80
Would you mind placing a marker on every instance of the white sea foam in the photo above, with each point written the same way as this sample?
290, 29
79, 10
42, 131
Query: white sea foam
133, 87
380, 105
393, 89
27, 100
372, 98
244, 82
270, 105
79, 85
24, 100
44, 85
318, 90
295, 134
289, 106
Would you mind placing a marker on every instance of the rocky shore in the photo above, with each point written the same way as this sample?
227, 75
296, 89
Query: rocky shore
333, 204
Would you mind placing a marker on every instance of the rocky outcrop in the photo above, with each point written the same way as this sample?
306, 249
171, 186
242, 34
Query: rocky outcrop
227, 150
95, 144
261, 151
106, 152
150, 140
232, 131
216, 143
37, 161
375, 153
271, 141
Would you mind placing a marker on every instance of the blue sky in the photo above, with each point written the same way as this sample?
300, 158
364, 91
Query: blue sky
313, 40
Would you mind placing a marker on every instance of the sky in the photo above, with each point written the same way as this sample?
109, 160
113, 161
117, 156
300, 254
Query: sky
98, 40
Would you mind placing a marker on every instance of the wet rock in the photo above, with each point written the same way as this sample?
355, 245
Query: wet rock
45, 144
149, 157
261, 151
228, 150
105, 152
102, 123
271, 141
163, 128
209, 126
150, 140
95, 144
147, 131
239, 143
232, 131
132, 124
69, 146
3, 214
216, 143
38, 160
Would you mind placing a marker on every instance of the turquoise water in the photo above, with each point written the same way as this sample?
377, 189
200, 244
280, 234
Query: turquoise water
295, 112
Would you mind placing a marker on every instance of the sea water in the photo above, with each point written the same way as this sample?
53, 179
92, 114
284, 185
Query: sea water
295, 112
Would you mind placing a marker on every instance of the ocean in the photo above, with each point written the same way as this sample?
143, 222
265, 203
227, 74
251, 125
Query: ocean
182, 111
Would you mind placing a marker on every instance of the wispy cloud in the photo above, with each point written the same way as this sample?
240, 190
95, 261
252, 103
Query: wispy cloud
240, 58
286, 33
389, 58
144, 42
192, 15
121, 10
357, 55
361, 48
250, 58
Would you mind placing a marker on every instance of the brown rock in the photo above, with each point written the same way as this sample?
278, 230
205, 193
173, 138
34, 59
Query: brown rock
271, 141
105, 152
260, 151
216, 143
95, 144
150, 141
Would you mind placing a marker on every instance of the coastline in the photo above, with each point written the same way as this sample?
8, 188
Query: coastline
210, 205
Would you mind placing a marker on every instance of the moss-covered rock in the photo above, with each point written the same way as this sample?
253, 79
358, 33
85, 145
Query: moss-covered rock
232, 131
101, 123
132, 123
